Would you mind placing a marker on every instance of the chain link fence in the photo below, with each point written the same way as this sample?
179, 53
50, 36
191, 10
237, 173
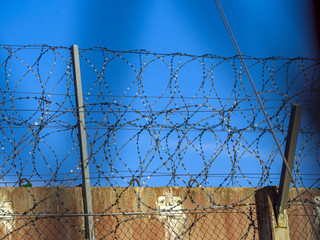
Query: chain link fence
175, 121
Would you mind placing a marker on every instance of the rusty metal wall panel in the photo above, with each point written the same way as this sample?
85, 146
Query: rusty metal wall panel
109, 204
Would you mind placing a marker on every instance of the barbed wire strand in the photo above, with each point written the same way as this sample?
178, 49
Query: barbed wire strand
145, 122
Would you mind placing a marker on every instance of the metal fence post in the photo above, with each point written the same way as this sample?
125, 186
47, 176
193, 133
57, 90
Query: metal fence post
272, 204
86, 188
289, 153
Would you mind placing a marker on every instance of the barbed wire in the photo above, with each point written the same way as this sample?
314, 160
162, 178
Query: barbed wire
164, 107
161, 119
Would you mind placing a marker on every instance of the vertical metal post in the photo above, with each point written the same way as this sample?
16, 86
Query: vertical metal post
86, 188
291, 144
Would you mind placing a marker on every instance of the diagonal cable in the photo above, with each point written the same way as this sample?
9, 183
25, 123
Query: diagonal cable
235, 45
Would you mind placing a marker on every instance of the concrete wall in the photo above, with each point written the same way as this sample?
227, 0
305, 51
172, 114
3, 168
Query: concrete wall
232, 223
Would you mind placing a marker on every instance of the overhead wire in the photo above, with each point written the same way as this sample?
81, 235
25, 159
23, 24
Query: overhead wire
235, 45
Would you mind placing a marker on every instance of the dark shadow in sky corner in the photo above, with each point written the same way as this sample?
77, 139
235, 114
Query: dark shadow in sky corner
313, 100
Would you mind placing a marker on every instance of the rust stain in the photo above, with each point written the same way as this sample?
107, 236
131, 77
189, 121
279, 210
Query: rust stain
132, 199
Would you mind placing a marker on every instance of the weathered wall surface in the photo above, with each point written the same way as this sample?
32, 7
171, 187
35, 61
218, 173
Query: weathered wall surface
224, 223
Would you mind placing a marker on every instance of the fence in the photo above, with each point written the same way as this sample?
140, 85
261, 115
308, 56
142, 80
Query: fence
151, 120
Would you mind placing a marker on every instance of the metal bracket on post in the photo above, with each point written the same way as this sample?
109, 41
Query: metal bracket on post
86, 188
291, 144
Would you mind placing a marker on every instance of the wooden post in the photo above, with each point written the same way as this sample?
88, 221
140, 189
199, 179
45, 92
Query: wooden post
267, 223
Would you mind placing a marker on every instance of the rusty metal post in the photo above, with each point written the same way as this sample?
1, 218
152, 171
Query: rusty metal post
86, 188
268, 227
265, 198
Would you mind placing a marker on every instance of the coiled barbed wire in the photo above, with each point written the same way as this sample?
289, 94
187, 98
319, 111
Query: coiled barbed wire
161, 119
174, 113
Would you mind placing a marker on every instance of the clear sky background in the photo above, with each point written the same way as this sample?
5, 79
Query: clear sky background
262, 28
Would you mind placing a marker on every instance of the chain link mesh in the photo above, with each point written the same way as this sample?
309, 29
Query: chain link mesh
152, 119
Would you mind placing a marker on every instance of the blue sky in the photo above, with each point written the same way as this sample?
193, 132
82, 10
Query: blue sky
262, 28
